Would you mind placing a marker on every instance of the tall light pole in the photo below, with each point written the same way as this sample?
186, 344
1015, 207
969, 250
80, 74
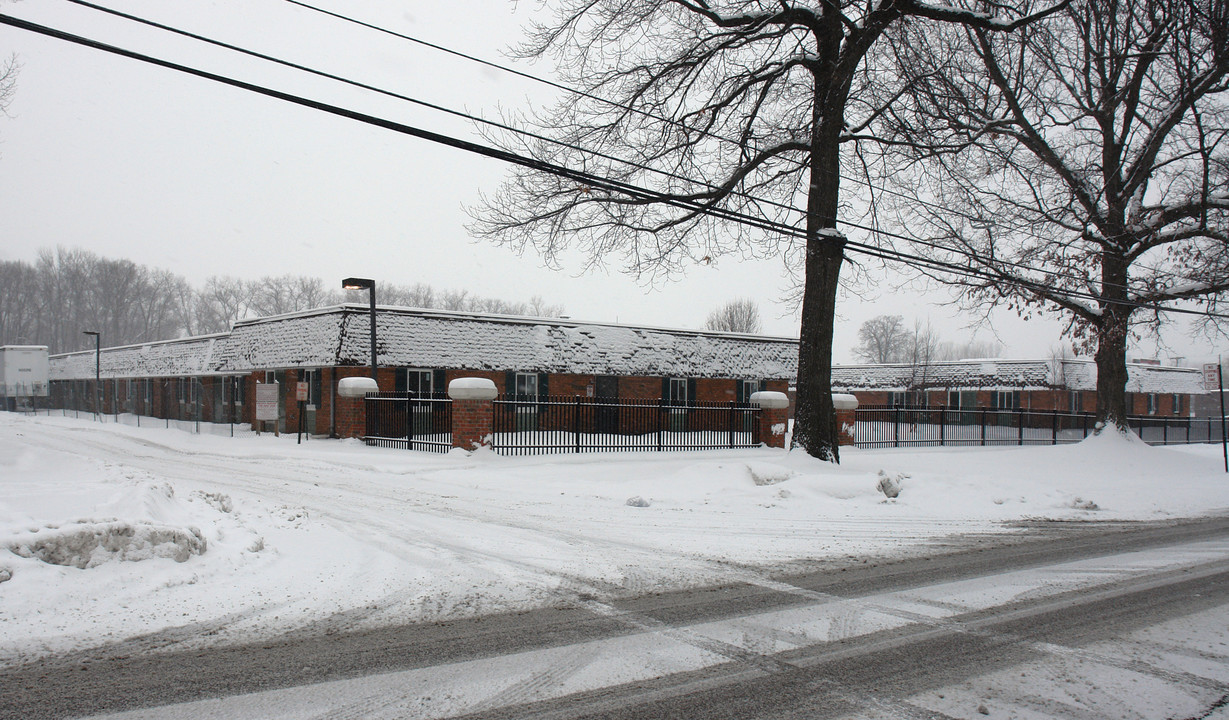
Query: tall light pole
354, 283
97, 368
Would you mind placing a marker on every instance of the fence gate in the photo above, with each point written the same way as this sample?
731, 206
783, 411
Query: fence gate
407, 420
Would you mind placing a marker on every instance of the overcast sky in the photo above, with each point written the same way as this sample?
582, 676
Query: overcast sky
132, 161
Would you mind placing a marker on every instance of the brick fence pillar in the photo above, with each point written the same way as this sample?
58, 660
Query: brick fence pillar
350, 413
473, 412
845, 417
774, 416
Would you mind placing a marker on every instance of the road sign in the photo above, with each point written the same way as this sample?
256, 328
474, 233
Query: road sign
1211, 382
300, 391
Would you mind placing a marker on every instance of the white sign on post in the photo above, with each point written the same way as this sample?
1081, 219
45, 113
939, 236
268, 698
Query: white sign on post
1211, 378
266, 401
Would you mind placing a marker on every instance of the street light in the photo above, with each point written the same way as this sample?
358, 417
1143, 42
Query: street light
97, 367
354, 283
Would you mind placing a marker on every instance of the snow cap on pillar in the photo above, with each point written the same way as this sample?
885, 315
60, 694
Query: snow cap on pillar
472, 389
841, 401
770, 399
356, 387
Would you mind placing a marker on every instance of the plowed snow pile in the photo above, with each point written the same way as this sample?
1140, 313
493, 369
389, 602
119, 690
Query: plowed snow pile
112, 534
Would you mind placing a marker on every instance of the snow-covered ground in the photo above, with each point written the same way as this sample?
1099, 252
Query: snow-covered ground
109, 532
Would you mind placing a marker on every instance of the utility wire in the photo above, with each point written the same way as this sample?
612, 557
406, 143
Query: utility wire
467, 116
674, 122
532, 163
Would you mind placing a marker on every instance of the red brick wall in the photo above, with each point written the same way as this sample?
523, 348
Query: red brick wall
471, 423
572, 385
640, 388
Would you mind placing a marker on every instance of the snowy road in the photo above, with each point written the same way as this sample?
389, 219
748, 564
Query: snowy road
1140, 634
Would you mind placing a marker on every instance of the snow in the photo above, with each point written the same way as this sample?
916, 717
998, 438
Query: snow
410, 337
1069, 373
115, 532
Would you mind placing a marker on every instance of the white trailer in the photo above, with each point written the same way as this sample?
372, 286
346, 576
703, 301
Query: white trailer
23, 374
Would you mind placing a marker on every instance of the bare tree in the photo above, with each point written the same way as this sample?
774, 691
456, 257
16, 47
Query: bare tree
221, 302
921, 352
8, 82
1079, 166
730, 114
882, 339
968, 350
740, 316
289, 293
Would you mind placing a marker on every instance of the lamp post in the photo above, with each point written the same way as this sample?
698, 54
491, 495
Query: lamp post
97, 367
354, 283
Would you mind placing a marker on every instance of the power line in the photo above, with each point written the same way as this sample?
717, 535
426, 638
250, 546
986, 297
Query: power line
532, 163
456, 113
674, 122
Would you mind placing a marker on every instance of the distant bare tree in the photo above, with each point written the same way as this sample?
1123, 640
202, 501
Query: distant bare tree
882, 339
740, 316
540, 308
75, 290
969, 350
18, 309
290, 293
221, 302
8, 82
921, 352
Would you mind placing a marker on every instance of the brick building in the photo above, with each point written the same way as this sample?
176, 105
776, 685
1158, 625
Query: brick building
214, 378
1065, 385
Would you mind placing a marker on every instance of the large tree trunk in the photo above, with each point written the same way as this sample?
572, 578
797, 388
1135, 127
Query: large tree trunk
815, 427
1111, 355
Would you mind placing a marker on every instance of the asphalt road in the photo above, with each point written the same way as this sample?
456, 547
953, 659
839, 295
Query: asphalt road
892, 631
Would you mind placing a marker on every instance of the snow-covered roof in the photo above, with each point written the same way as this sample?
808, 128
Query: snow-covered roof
171, 358
1067, 374
410, 337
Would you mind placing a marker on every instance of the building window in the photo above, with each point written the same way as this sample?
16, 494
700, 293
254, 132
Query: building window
1076, 401
419, 382
527, 386
1177, 404
678, 391
239, 384
1152, 403
1005, 399
748, 388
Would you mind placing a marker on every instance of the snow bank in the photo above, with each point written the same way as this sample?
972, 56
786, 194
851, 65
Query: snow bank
90, 544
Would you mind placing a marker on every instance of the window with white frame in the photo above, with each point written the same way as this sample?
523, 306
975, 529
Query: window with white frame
1152, 403
1177, 404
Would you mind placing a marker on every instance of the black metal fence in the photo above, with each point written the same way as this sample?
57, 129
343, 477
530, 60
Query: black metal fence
210, 406
405, 420
558, 424
879, 427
